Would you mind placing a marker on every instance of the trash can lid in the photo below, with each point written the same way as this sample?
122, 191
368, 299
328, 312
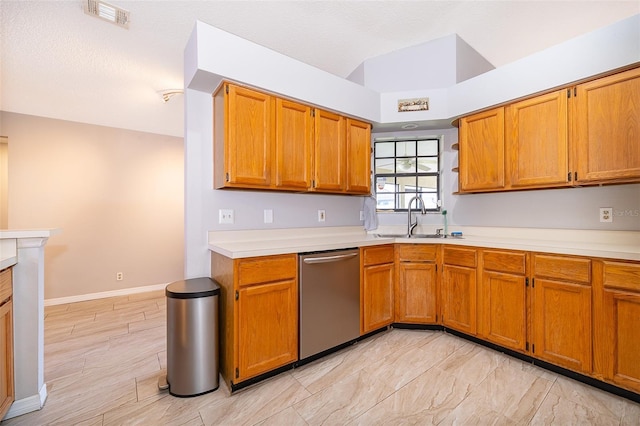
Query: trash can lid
193, 288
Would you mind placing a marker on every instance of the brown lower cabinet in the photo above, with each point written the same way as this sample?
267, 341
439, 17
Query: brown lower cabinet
459, 289
258, 314
6, 342
561, 315
416, 284
376, 287
616, 344
503, 298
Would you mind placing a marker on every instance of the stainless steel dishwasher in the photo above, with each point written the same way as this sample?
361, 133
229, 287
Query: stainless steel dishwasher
329, 300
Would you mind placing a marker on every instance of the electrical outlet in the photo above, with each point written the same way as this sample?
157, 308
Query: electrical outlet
268, 216
321, 215
606, 214
119, 276
361, 215
225, 216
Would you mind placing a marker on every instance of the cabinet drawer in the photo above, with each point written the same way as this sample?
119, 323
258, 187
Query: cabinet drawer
266, 269
377, 255
562, 268
504, 261
460, 256
624, 276
416, 252
6, 289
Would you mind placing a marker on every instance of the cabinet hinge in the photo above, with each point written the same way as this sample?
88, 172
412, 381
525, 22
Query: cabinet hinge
436, 268
526, 282
526, 346
575, 92
575, 176
533, 348
227, 176
569, 177
237, 373
533, 282
226, 88
313, 183
568, 93
237, 295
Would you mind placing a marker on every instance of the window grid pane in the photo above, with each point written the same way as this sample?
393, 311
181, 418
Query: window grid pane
405, 168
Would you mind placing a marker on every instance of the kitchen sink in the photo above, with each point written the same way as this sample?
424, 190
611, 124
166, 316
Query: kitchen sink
410, 236
416, 236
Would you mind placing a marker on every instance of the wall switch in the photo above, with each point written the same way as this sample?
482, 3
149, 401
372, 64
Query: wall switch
361, 215
321, 216
119, 276
606, 214
268, 216
225, 216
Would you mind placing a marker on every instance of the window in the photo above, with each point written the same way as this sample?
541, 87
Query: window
405, 168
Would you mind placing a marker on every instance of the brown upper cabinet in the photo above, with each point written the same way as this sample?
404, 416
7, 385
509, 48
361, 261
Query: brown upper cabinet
294, 145
481, 154
580, 135
536, 138
607, 129
265, 142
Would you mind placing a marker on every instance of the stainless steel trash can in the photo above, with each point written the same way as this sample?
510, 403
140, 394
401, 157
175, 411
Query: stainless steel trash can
192, 336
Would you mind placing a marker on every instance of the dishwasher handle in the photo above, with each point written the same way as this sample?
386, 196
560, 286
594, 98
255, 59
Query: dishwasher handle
328, 259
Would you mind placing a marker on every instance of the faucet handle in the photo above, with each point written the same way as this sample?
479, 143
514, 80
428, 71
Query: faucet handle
439, 231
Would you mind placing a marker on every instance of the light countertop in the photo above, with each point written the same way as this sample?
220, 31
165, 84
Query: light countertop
624, 245
9, 242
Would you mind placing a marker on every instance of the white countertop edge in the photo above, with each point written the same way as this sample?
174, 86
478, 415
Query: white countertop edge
9, 261
29, 233
624, 245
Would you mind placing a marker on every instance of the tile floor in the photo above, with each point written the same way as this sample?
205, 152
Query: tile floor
103, 359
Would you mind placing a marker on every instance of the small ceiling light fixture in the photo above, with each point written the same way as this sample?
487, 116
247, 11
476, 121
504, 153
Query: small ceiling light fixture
167, 94
409, 126
108, 12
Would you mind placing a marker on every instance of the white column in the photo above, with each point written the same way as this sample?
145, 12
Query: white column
28, 320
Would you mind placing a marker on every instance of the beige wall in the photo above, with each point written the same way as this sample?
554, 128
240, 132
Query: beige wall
4, 182
118, 196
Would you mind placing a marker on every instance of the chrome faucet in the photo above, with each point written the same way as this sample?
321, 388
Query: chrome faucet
423, 210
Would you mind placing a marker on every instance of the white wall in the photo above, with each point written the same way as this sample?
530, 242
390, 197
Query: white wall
117, 195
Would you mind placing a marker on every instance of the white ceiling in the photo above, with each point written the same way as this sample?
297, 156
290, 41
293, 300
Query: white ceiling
58, 62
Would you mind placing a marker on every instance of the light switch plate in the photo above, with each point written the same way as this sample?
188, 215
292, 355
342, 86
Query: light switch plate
268, 216
225, 216
321, 216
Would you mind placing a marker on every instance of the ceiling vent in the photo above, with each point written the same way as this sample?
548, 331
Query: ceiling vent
108, 12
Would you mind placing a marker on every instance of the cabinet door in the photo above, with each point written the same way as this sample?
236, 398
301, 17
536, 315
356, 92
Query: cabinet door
621, 320
607, 123
358, 157
537, 141
329, 152
247, 148
6, 358
481, 154
416, 293
377, 297
562, 324
504, 309
294, 142
267, 328
459, 298
616, 342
